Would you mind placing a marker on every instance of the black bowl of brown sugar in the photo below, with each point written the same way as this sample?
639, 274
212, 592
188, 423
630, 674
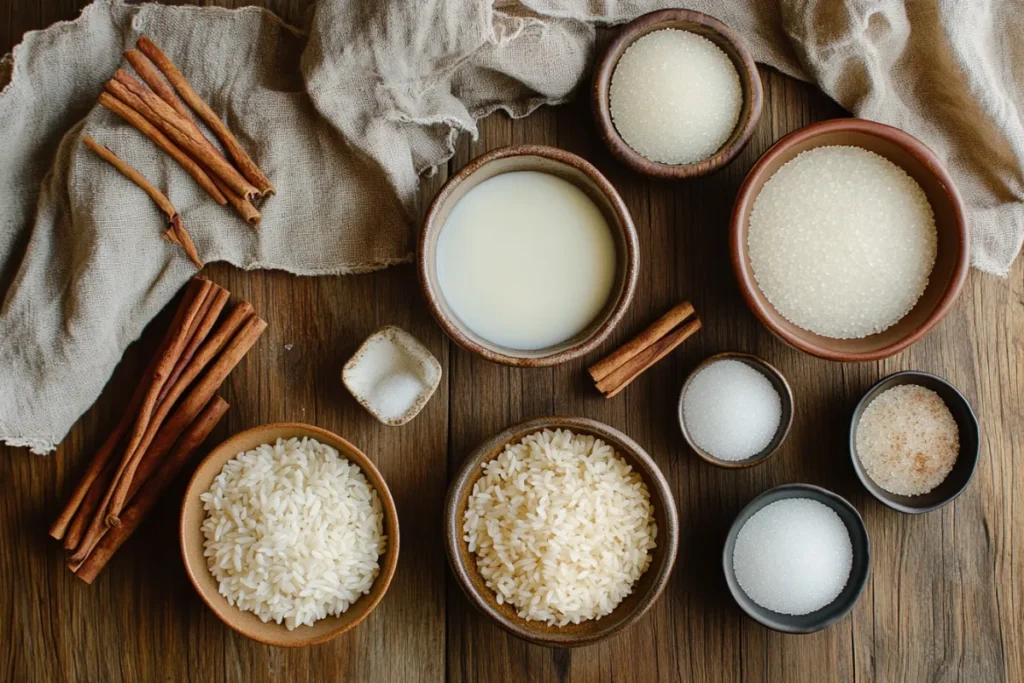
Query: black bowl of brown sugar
914, 441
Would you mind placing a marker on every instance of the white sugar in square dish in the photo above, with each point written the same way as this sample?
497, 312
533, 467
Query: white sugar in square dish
392, 375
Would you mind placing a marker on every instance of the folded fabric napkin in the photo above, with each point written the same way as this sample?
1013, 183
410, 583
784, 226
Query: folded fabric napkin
345, 115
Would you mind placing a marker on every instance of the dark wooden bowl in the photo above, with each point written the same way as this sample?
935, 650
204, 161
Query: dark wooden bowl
951, 262
191, 536
719, 34
780, 384
647, 589
859, 572
966, 462
583, 175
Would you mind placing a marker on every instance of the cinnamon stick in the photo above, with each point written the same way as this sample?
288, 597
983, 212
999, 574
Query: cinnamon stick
655, 331
99, 461
631, 369
163, 116
148, 72
243, 206
150, 492
182, 238
142, 124
193, 401
248, 167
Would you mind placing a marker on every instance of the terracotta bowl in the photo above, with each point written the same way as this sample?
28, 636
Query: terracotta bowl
648, 588
719, 34
191, 536
569, 167
778, 382
951, 263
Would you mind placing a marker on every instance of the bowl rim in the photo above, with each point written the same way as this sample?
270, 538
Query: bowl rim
454, 328
730, 574
746, 68
786, 397
656, 481
387, 569
858, 467
746, 195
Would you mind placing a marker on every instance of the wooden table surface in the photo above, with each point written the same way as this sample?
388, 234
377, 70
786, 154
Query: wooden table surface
945, 601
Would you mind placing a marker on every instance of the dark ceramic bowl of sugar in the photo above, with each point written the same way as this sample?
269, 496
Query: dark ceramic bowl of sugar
859, 571
967, 459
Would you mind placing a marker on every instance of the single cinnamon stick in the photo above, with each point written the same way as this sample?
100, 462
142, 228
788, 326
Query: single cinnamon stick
163, 116
655, 331
182, 238
99, 461
248, 167
148, 72
195, 399
189, 309
141, 124
147, 496
631, 369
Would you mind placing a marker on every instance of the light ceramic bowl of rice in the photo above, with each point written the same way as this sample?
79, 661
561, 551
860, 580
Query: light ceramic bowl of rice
562, 530
289, 534
849, 240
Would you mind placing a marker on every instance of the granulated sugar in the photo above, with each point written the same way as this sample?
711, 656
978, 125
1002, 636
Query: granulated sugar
907, 440
731, 410
842, 242
675, 97
793, 556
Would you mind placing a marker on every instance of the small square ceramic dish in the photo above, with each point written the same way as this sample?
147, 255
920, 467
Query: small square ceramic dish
392, 375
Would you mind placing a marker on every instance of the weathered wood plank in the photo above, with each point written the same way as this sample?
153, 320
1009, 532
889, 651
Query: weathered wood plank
946, 597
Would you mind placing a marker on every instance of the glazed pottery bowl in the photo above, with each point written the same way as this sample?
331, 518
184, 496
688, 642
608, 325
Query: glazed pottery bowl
780, 385
951, 263
191, 537
859, 572
647, 589
966, 462
719, 34
564, 165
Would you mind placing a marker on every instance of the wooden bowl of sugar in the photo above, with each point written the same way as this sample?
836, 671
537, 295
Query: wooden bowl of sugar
837, 264
676, 95
528, 256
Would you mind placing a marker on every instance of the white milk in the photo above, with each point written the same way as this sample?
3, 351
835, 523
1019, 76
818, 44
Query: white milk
526, 260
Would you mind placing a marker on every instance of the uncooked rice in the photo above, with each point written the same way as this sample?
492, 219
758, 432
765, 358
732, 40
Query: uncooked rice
561, 526
293, 532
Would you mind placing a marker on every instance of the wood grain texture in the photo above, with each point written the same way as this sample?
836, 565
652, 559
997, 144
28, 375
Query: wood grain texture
946, 597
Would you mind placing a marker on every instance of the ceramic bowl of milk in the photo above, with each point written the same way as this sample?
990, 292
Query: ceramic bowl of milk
528, 256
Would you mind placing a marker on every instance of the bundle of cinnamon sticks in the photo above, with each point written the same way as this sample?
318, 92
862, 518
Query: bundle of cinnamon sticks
171, 412
614, 373
155, 107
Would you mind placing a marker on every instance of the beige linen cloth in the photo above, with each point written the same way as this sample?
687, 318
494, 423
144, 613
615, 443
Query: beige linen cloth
346, 114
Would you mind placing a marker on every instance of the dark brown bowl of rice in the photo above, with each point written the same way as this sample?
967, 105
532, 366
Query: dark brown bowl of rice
289, 534
562, 530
